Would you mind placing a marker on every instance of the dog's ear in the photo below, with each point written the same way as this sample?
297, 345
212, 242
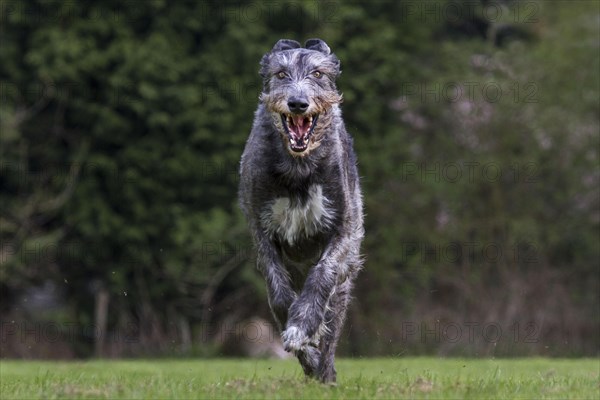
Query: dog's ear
336, 63
281, 45
285, 44
318, 45
322, 47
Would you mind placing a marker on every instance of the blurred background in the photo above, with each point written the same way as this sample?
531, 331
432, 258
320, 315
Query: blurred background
476, 125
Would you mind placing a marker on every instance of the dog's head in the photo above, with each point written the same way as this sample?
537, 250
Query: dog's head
299, 90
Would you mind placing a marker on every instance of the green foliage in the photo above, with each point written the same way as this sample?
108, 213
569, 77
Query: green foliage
122, 126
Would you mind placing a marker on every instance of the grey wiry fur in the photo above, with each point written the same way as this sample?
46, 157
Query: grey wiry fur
300, 192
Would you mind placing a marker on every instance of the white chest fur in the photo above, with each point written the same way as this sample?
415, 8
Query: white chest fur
290, 221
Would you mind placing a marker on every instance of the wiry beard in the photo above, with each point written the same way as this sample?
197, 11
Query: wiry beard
315, 122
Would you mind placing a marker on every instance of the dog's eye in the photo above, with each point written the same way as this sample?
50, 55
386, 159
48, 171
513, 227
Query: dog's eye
317, 74
281, 74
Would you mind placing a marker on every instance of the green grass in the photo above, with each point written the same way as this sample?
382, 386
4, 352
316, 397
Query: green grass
361, 378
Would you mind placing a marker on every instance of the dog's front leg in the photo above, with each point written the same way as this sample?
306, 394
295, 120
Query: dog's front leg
279, 289
307, 311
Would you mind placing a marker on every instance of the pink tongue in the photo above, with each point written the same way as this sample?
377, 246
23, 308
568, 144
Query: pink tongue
299, 126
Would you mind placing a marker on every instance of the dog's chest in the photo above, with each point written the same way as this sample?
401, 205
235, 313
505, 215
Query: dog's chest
290, 219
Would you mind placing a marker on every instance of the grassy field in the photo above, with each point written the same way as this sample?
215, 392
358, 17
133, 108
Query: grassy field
430, 378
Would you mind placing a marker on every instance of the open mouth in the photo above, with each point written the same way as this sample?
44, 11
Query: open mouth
299, 129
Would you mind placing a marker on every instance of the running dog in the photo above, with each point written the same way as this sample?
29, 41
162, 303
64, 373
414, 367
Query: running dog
300, 192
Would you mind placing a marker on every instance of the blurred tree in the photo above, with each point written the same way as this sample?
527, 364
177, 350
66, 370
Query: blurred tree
122, 125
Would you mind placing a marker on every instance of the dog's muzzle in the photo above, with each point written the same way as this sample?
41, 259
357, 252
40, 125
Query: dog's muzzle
299, 129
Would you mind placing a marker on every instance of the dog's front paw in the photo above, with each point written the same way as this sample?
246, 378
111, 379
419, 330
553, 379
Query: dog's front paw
294, 339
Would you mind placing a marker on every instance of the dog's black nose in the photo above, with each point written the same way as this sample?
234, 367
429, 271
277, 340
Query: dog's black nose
297, 105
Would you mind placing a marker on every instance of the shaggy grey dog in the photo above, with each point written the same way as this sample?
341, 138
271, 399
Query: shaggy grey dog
299, 190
